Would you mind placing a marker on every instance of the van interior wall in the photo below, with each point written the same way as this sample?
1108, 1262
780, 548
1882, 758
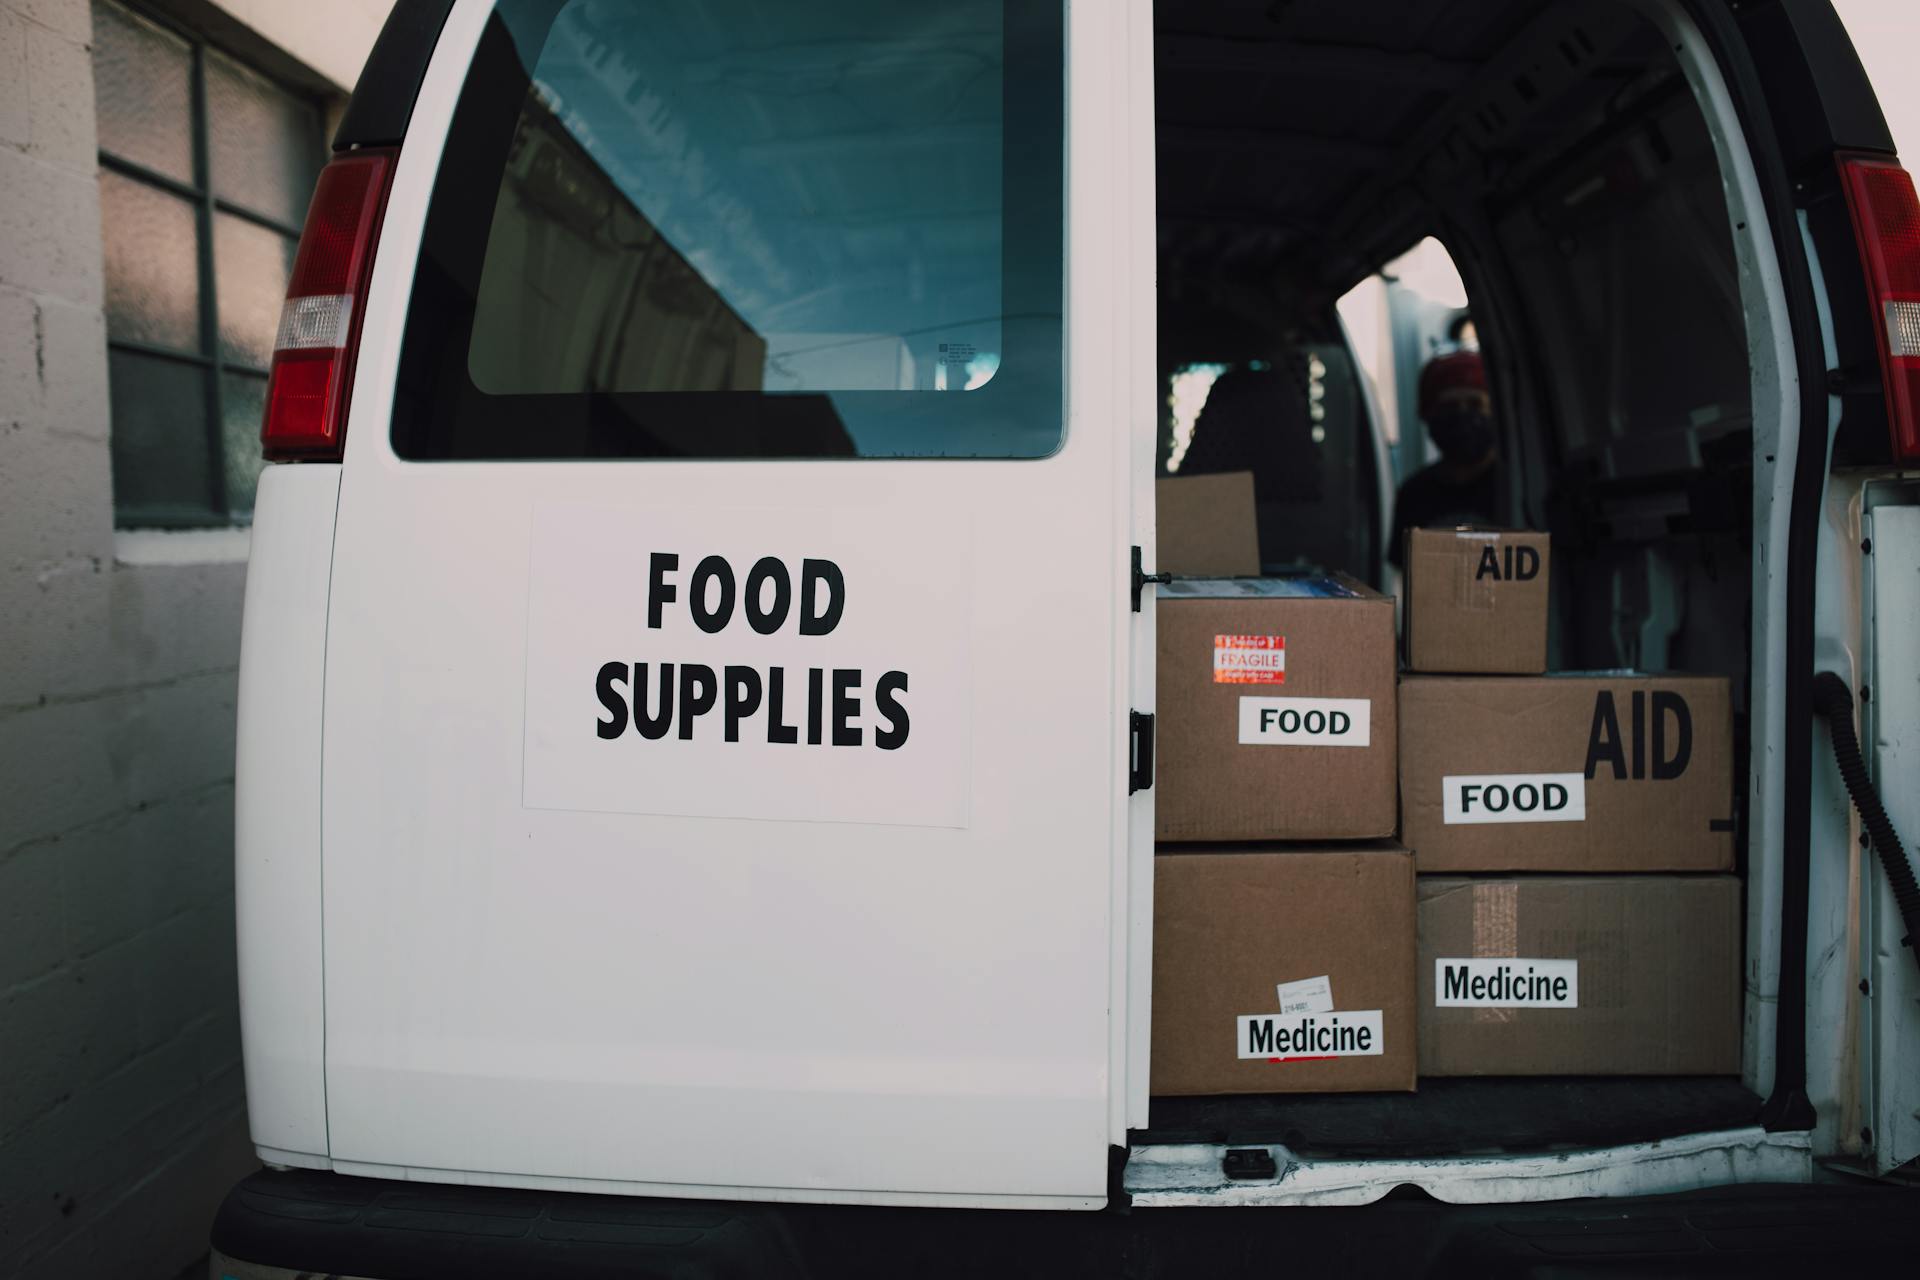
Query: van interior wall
1559, 154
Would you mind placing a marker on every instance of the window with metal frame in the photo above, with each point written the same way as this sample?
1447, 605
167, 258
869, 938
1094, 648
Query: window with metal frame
206, 166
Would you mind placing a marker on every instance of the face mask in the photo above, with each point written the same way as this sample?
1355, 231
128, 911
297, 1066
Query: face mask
1461, 434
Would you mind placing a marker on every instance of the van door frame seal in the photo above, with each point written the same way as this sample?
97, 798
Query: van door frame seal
1787, 1107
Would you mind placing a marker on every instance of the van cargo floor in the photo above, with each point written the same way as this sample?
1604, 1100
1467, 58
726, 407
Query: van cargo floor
1453, 1117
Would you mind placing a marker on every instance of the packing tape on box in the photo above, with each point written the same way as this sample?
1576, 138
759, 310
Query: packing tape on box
1496, 932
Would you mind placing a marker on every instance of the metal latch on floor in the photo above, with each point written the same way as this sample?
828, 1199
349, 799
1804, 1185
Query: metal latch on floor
1250, 1164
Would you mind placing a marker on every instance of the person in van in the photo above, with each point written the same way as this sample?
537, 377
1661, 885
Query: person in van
1463, 486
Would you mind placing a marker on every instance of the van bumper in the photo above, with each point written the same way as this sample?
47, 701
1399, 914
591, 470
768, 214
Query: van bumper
292, 1225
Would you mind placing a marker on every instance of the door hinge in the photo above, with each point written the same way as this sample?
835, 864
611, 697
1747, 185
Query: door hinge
1140, 773
1141, 578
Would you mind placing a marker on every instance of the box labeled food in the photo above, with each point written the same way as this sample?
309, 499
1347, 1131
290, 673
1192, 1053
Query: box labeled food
1476, 601
1283, 970
1206, 526
1275, 708
1579, 975
1610, 772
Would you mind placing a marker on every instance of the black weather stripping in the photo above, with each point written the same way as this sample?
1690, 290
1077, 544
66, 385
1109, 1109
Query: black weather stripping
1834, 701
382, 101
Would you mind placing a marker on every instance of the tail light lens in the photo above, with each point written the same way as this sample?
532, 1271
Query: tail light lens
1886, 222
313, 356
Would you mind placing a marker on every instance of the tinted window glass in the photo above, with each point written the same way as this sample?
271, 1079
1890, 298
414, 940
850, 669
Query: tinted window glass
694, 229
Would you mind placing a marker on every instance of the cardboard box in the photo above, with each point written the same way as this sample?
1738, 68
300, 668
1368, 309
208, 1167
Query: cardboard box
1276, 716
1580, 975
1206, 526
1476, 601
1567, 773
1285, 970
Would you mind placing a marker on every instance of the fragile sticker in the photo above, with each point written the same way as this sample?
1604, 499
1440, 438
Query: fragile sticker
1249, 659
1307, 1037
1504, 983
1305, 722
1472, 798
1309, 995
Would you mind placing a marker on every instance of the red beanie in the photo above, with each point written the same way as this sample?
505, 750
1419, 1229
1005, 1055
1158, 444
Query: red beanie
1461, 369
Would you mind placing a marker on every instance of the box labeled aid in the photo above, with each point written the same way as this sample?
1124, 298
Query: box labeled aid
1613, 772
1476, 601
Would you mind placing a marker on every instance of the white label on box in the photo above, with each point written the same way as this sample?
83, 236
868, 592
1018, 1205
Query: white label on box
1305, 722
1301, 1037
1501, 983
1309, 995
1471, 798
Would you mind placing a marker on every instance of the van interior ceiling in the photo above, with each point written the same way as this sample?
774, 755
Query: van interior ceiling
1559, 154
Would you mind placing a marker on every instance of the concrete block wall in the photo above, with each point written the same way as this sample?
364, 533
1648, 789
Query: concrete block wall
122, 1106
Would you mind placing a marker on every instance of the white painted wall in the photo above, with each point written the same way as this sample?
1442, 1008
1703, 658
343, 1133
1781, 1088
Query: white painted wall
331, 36
122, 1114
1886, 33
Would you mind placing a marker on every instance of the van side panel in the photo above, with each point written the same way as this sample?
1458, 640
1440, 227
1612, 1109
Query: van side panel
277, 811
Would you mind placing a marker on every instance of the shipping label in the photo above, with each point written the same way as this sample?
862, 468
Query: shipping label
1486, 982
1471, 798
1309, 995
1305, 722
1307, 1037
1249, 659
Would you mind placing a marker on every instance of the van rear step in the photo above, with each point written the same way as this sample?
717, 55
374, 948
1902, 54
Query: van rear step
1461, 1116
277, 1225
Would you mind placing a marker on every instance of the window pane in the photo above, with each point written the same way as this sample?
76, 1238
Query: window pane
243, 402
143, 91
825, 212
250, 269
161, 469
152, 264
264, 142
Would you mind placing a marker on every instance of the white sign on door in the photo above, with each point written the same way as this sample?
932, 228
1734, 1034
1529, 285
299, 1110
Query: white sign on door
777, 664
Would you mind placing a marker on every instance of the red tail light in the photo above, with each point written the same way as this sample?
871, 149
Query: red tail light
313, 356
1886, 221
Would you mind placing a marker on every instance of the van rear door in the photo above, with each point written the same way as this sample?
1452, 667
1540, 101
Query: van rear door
725, 737
1846, 1009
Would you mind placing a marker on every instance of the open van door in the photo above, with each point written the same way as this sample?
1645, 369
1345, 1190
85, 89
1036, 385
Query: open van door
730, 638
1847, 1026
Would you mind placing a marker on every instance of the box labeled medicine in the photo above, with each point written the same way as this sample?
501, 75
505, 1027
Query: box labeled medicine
1579, 975
1283, 969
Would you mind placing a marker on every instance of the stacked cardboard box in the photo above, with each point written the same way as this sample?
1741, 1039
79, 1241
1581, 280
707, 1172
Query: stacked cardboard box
1573, 833
1283, 962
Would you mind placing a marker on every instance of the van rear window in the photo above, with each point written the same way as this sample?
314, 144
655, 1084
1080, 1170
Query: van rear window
745, 229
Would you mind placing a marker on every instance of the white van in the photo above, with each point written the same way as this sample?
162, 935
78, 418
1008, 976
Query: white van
697, 688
